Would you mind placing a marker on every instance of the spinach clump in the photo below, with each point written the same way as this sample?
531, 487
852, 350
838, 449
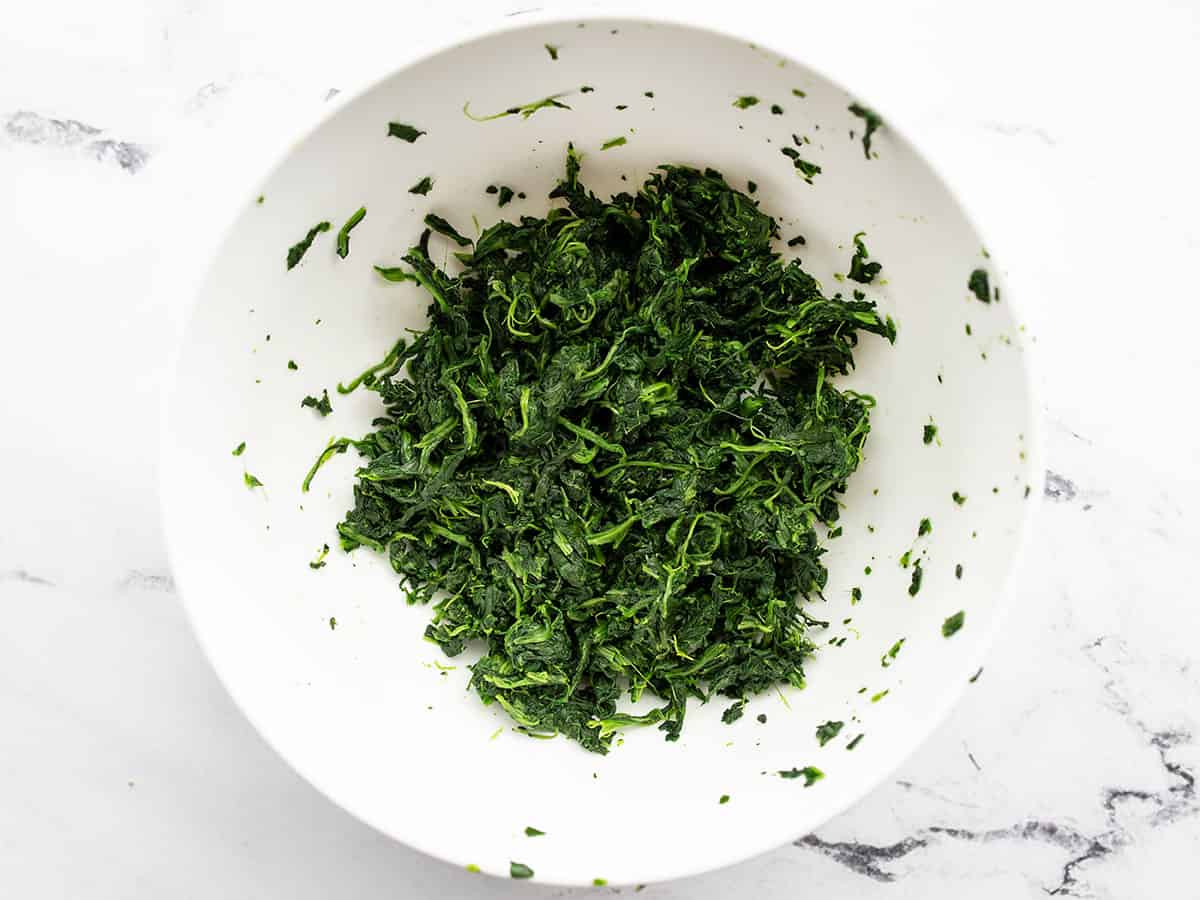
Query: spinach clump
614, 447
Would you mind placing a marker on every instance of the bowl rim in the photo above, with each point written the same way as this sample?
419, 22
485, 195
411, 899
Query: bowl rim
453, 37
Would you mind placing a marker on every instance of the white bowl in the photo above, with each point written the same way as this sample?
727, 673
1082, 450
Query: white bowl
366, 712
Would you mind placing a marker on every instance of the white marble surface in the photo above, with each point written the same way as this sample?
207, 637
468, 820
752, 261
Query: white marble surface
125, 771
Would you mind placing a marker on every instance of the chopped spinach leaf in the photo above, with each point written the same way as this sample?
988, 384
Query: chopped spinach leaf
827, 731
319, 562
614, 142
724, 799
530, 831
251, 481
860, 270
888, 658
524, 111
423, 186
776, 109
924, 527
810, 774
404, 132
805, 168
856, 741
953, 624
343, 236
239, 449
915, 585
745, 102
441, 226
323, 406
871, 120
519, 870
977, 284
798, 93
552, 50
291, 364
929, 433
734, 712
296, 251
506, 195
958, 498
797, 241
958, 571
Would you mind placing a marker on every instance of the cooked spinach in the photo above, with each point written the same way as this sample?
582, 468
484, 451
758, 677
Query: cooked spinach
322, 405
888, 658
343, 236
441, 226
404, 132
506, 195
810, 774
745, 102
296, 251
530, 831
519, 870
871, 121
609, 459
914, 586
953, 624
804, 167
827, 731
860, 270
614, 142
423, 186
552, 50
251, 481
319, 562
524, 111
239, 449
978, 285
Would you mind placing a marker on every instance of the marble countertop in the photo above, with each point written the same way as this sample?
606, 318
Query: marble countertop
1070, 767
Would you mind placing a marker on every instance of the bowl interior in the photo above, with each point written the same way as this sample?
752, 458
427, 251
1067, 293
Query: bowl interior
373, 715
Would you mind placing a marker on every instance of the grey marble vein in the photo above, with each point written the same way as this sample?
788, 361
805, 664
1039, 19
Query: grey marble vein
137, 579
21, 575
865, 859
1009, 129
1059, 488
1177, 801
27, 127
